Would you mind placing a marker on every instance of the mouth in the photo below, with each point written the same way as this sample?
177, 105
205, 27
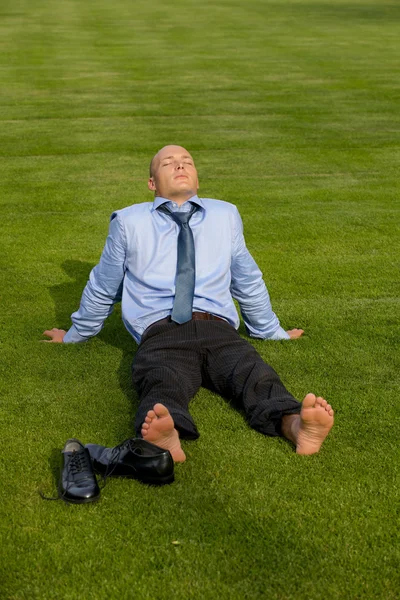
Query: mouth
181, 176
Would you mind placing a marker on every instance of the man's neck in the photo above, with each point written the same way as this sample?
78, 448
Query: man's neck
180, 199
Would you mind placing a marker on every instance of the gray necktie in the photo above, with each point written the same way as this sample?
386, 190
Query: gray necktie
185, 270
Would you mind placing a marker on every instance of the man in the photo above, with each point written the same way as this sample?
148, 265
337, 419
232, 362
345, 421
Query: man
177, 263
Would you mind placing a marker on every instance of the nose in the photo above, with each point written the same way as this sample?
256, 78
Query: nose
179, 165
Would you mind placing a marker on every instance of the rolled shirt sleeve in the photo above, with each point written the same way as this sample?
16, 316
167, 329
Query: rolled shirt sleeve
103, 289
249, 289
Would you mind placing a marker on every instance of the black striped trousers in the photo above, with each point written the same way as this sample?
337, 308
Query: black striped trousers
173, 361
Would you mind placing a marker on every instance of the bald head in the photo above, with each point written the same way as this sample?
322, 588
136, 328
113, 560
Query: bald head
173, 174
165, 151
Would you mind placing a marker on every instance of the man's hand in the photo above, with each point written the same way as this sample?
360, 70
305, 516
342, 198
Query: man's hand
293, 333
56, 335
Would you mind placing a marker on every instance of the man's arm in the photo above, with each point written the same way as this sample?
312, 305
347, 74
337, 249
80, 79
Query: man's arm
102, 291
248, 288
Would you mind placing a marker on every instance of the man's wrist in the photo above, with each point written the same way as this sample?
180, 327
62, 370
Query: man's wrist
73, 337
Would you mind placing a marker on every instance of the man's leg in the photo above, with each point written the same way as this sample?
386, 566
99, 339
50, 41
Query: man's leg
233, 368
167, 373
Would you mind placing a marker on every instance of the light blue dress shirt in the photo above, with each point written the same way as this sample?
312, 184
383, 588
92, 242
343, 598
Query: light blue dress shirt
138, 267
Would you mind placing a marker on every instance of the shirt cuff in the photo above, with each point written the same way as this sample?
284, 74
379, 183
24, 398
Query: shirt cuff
280, 334
73, 337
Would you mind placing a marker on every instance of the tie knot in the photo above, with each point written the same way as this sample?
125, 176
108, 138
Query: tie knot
181, 218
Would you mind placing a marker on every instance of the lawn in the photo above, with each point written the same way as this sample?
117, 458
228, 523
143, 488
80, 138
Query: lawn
291, 111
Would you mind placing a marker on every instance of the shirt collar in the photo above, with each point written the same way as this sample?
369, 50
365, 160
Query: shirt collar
158, 200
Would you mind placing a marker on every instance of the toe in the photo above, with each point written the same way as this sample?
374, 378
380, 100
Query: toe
321, 401
309, 401
151, 414
145, 426
160, 410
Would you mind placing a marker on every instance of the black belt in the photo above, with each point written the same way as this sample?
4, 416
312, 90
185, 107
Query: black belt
196, 316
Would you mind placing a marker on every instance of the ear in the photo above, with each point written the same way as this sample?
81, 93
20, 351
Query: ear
151, 184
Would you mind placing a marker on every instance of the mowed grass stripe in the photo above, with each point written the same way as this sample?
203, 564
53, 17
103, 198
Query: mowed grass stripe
291, 111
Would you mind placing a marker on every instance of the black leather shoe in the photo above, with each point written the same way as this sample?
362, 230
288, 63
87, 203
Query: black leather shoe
78, 482
134, 458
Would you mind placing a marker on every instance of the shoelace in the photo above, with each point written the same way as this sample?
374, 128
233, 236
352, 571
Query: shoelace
78, 464
114, 458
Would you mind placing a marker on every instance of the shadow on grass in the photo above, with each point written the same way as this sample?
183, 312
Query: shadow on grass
55, 469
55, 465
66, 297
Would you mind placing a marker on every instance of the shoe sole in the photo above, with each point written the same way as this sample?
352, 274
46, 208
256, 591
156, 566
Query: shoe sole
156, 480
80, 501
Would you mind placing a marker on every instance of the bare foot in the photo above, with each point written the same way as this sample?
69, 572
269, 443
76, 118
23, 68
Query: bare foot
309, 429
316, 421
158, 428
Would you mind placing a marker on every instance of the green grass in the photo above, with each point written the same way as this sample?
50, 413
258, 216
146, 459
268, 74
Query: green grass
291, 110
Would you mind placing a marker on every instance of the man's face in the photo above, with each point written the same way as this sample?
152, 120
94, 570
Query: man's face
174, 175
